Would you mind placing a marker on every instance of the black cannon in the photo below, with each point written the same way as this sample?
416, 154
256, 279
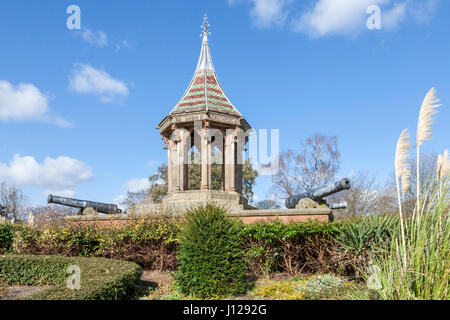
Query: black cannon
317, 195
83, 204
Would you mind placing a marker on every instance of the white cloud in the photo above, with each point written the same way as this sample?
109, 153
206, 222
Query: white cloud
61, 175
25, 102
152, 164
88, 80
423, 11
121, 44
335, 16
95, 38
268, 13
346, 17
392, 17
67, 193
100, 39
119, 201
341, 17
137, 185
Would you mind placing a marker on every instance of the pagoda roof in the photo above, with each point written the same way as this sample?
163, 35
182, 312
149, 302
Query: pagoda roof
205, 93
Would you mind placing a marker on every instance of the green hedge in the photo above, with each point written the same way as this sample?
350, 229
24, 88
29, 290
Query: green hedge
101, 279
6, 236
150, 243
270, 247
340, 247
275, 231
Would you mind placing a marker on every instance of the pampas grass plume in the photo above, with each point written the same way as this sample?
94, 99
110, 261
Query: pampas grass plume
427, 111
402, 167
443, 165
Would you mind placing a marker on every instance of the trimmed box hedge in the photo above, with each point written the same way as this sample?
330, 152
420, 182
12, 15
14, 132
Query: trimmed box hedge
101, 278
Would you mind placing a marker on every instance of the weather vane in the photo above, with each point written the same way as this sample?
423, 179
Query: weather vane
205, 25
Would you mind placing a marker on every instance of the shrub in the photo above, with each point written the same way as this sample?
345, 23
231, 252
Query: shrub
149, 242
368, 233
322, 283
280, 291
304, 247
295, 248
6, 236
211, 257
101, 279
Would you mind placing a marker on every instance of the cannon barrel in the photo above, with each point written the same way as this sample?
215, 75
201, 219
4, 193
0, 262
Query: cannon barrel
338, 205
320, 193
83, 204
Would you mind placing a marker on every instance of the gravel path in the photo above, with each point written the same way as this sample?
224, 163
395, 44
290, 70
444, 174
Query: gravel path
20, 292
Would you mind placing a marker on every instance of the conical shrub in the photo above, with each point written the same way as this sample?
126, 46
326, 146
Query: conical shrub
211, 258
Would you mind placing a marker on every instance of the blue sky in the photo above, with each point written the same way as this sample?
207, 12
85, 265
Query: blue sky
78, 108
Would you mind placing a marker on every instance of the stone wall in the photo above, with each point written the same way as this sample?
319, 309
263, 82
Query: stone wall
247, 216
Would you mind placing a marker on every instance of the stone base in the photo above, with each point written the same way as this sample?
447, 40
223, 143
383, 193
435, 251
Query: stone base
246, 216
307, 203
176, 203
184, 200
284, 215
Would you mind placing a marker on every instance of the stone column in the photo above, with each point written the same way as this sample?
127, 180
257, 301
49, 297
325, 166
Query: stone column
229, 161
209, 153
206, 157
174, 168
178, 165
223, 163
169, 166
182, 156
238, 168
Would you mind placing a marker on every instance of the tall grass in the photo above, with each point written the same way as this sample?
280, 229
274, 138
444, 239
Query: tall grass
416, 265
424, 130
427, 270
403, 173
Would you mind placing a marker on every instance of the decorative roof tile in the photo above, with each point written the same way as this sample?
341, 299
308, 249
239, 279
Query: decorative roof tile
205, 92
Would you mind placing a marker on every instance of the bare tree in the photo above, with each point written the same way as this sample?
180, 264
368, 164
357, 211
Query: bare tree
52, 215
267, 204
313, 166
366, 196
134, 198
13, 200
158, 184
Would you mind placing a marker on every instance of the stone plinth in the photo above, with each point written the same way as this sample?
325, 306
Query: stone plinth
184, 200
178, 202
321, 214
284, 215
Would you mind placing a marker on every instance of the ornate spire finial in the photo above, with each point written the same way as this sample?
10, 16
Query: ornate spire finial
205, 25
